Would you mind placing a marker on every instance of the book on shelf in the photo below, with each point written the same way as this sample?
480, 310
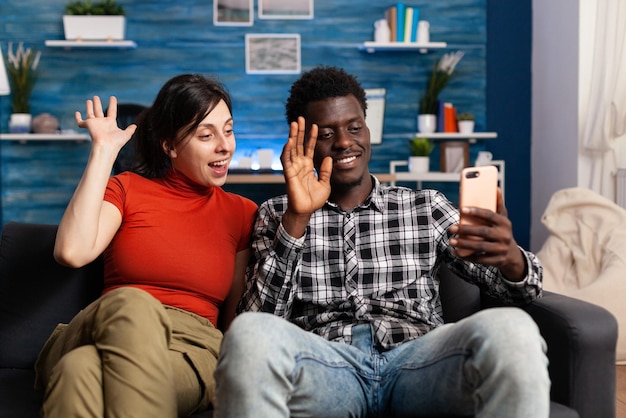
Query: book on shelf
400, 18
446, 117
392, 17
440, 116
415, 17
449, 115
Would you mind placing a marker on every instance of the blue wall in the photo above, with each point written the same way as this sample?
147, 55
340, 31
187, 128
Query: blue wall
175, 37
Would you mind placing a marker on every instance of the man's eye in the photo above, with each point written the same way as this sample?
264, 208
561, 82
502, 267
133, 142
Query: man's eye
325, 135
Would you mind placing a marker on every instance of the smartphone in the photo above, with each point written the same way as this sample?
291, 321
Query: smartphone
478, 188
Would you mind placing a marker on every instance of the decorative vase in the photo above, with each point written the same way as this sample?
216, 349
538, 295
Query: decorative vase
466, 126
419, 164
426, 124
20, 123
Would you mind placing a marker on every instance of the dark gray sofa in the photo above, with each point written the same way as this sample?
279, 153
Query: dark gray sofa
36, 293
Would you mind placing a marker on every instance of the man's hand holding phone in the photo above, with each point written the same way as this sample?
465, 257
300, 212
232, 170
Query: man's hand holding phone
484, 233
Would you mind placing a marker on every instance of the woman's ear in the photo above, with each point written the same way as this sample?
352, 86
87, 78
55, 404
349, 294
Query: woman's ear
168, 149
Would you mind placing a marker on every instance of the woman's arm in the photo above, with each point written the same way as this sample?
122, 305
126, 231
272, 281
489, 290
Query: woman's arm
89, 223
228, 311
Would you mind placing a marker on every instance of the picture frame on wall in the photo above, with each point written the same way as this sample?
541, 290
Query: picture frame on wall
233, 12
454, 156
273, 53
285, 9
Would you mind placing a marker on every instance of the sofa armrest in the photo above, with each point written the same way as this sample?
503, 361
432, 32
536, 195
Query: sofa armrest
581, 340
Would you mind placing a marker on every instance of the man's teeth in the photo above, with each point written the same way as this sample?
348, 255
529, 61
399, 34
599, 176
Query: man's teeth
346, 160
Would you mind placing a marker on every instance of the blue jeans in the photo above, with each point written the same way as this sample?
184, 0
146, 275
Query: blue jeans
491, 364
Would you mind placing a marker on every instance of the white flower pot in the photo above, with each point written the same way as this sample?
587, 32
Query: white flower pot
94, 28
426, 124
20, 123
419, 164
466, 126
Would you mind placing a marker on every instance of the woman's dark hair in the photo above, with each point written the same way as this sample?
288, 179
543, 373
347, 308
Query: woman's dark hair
321, 83
181, 104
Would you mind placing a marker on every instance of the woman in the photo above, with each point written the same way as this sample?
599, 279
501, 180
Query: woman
175, 250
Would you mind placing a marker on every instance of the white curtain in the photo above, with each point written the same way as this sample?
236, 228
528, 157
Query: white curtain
604, 125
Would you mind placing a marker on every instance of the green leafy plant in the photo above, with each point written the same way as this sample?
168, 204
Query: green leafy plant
22, 66
421, 147
89, 8
439, 78
465, 116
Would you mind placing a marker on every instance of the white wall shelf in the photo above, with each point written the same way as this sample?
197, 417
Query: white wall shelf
23, 138
401, 46
456, 136
437, 176
90, 44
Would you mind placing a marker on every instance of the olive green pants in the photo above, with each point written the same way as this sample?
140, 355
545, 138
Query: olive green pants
127, 355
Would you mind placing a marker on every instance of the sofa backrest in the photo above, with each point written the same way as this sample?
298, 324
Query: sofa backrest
36, 293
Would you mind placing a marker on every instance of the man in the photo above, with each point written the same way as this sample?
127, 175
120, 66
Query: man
352, 267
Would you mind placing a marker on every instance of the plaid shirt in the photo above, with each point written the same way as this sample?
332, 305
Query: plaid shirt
375, 264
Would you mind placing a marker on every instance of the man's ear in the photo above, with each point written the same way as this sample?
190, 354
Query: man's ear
168, 149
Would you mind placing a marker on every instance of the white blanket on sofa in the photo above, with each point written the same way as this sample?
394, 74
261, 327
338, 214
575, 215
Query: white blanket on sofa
585, 255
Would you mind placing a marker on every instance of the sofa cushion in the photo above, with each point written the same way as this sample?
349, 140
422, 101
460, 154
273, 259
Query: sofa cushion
36, 293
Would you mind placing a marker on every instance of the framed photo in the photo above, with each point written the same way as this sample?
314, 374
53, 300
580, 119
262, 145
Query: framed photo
375, 113
233, 12
273, 53
454, 156
285, 9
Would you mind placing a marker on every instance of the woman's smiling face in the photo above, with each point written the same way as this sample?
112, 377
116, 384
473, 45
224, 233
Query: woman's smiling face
204, 156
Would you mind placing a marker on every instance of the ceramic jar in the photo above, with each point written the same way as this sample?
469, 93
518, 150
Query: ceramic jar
45, 123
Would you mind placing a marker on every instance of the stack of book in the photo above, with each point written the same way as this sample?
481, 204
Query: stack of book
403, 21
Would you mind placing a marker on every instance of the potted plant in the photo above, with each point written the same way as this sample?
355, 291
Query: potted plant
22, 67
420, 149
442, 72
88, 20
466, 122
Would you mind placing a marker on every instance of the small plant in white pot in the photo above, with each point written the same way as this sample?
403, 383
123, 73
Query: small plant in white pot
90, 21
420, 149
466, 122
22, 64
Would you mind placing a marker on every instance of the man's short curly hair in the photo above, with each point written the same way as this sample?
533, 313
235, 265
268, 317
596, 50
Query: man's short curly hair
321, 83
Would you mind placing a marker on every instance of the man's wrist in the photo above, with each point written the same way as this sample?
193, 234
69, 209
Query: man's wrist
295, 224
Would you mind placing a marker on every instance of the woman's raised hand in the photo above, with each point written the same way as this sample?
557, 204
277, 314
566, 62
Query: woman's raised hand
103, 128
